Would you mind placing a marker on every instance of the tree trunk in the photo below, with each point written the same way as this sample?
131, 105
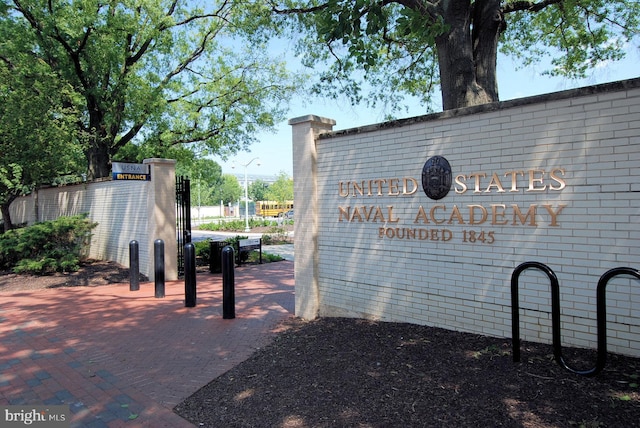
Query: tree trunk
467, 58
98, 153
488, 23
6, 216
98, 161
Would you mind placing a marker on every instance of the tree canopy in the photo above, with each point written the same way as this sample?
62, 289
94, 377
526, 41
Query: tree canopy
165, 72
280, 190
257, 190
229, 190
392, 48
205, 175
37, 141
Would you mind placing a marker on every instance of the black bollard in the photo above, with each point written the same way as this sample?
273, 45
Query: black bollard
134, 266
158, 257
189, 275
228, 283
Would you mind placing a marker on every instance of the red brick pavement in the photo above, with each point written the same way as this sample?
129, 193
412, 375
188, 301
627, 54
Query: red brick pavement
125, 358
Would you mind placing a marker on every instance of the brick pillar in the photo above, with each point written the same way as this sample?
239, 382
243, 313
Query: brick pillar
305, 130
161, 206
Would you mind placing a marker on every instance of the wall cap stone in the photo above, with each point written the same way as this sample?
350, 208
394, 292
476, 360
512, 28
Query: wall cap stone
312, 118
159, 160
620, 85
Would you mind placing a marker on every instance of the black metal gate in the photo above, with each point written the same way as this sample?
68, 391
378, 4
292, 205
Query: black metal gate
183, 215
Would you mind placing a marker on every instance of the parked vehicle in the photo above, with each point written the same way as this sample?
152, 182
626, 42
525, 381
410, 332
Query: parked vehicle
272, 208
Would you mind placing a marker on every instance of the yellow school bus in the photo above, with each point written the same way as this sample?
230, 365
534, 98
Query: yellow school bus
272, 208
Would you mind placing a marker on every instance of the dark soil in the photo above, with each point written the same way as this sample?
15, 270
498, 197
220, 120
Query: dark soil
91, 273
336, 372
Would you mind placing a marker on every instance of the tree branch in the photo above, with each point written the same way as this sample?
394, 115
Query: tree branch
197, 52
428, 8
529, 6
297, 10
194, 55
425, 7
163, 26
9, 64
127, 137
73, 54
32, 20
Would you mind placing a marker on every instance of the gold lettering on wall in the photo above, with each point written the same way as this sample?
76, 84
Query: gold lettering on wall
496, 215
429, 220
363, 213
406, 186
533, 180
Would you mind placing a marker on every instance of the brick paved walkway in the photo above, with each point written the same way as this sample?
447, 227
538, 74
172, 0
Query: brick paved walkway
124, 358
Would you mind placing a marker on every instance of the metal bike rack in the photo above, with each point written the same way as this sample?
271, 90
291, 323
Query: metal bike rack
555, 314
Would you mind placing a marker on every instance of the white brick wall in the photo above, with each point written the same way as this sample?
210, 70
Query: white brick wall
124, 211
592, 134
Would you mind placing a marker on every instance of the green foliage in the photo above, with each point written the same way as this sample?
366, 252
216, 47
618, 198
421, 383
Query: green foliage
206, 177
229, 190
236, 225
37, 138
156, 73
59, 263
203, 248
379, 52
51, 246
234, 241
578, 36
203, 252
276, 235
257, 190
376, 53
254, 257
281, 190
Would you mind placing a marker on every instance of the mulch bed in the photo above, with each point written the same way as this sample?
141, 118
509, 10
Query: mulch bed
336, 372
91, 273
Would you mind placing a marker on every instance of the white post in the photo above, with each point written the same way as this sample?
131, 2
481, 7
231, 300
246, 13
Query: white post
246, 195
305, 131
161, 203
246, 201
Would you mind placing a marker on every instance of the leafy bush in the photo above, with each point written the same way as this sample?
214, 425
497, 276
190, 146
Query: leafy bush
254, 257
235, 243
203, 248
276, 235
203, 252
50, 246
240, 224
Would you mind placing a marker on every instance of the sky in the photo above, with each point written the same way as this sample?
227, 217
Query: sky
274, 150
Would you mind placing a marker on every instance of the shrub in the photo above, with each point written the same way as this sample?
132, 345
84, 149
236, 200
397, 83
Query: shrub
235, 243
203, 250
238, 224
50, 246
276, 235
254, 257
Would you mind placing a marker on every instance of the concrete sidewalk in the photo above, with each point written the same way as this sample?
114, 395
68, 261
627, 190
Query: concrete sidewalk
286, 251
124, 358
